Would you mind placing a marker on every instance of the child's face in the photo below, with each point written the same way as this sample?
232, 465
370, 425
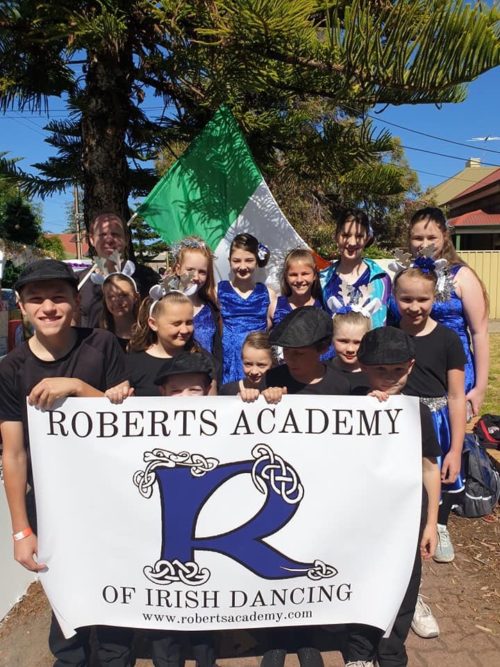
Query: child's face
426, 233
189, 384
49, 306
300, 360
120, 296
351, 240
346, 341
196, 263
390, 378
414, 297
256, 363
173, 323
243, 263
300, 277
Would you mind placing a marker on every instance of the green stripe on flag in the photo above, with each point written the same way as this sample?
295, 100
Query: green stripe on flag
206, 189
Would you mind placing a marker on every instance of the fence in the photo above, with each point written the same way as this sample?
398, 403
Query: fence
486, 263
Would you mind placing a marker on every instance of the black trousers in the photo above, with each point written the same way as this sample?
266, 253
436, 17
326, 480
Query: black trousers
391, 652
366, 643
291, 640
113, 646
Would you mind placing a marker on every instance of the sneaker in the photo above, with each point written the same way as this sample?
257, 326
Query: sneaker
360, 663
444, 550
424, 624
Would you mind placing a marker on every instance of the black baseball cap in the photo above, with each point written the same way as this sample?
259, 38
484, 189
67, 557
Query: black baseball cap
386, 345
46, 269
184, 363
303, 327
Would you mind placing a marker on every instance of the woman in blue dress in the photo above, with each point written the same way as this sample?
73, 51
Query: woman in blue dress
342, 280
245, 305
461, 300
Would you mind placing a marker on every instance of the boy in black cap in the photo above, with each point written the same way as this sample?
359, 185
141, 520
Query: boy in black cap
387, 356
187, 374
58, 361
304, 334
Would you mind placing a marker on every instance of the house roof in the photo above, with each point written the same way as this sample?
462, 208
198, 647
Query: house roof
69, 244
463, 180
489, 179
476, 218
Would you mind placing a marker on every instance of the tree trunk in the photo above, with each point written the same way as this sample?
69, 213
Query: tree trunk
105, 118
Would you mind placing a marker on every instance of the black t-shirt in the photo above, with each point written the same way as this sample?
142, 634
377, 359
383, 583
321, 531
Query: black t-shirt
332, 383
91, 294
141, 370
95, 358
358, 381
230, 389
435, 354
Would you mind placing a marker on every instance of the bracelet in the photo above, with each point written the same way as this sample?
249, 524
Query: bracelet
22, 534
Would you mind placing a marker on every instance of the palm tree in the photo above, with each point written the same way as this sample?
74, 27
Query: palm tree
285, 67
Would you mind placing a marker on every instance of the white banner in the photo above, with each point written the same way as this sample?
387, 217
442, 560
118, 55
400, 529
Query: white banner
208, 513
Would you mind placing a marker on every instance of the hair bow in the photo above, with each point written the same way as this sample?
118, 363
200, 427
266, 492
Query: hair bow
352, 299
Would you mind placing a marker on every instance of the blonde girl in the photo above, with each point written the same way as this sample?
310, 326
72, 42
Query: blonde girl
299, 284
164, 329
438, 380
193, 258
245, 304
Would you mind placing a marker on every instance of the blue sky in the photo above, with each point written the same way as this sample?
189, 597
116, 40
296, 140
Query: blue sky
23, 136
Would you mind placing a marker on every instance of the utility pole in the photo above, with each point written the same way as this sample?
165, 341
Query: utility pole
77, 222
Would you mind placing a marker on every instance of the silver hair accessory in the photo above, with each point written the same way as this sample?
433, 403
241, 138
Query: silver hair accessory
182, 284
426, 263
127, 272
354, 299
189, 242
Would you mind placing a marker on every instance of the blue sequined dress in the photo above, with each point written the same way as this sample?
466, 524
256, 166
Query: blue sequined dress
239, 317
205, 328
450, 313
283, 307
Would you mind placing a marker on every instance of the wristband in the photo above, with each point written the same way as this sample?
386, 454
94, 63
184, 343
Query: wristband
22, 534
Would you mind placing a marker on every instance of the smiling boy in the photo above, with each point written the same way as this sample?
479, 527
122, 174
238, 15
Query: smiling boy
57, 362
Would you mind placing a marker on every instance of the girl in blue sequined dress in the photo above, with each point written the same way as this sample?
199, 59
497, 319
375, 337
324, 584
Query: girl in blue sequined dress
244, 304
461, 302
194, 258
299, 284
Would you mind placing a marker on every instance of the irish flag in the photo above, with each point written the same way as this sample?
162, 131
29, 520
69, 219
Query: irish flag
215, 191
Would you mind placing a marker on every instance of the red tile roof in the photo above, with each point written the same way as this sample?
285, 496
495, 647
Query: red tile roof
69, 244
475, 219
487, 180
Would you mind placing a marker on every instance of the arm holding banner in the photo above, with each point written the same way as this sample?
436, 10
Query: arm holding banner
15, 467
432, 483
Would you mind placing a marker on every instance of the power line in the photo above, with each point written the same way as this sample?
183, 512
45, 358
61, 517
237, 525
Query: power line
451, 157
430, 136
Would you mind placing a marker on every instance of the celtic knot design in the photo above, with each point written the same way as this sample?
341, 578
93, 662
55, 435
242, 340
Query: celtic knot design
162, 458
281, 476
321, 570
165, 572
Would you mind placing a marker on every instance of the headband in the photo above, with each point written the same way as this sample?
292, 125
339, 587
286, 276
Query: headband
425, 262
181, 284
100, 272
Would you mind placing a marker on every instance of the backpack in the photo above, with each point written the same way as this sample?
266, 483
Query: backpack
487, 431
482, 481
